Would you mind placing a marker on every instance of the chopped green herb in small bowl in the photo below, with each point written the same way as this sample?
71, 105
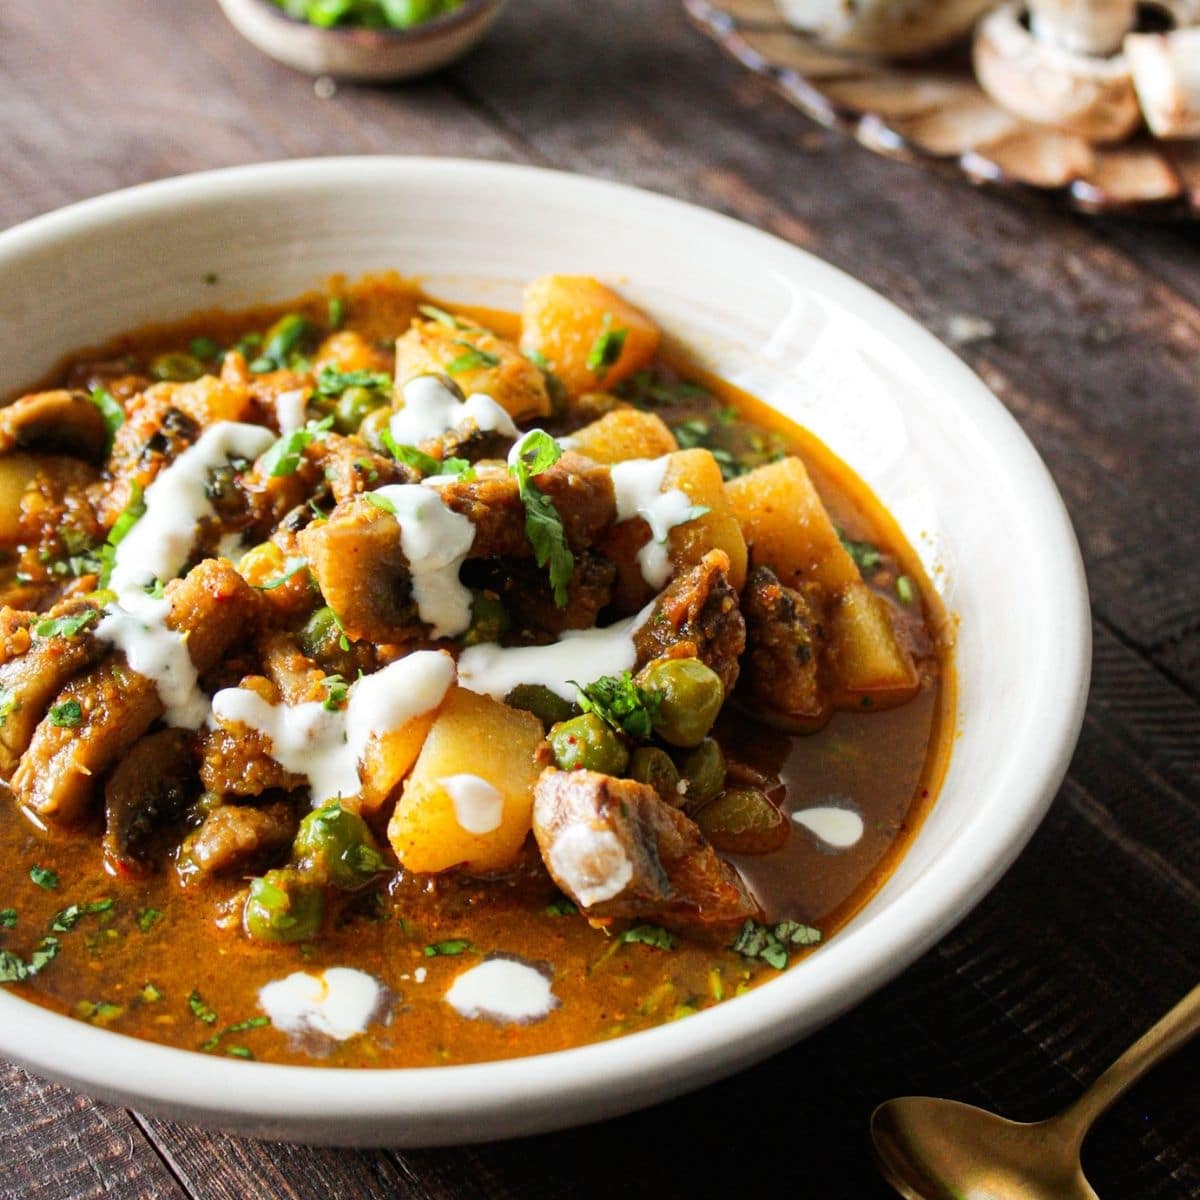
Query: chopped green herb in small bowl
366, 41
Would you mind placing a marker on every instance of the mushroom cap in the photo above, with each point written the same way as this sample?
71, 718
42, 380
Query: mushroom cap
1082, 26
58, 422
1078, 93
1166, 75
885, 28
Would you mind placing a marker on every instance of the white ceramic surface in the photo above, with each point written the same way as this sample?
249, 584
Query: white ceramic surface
362, 55
936, 446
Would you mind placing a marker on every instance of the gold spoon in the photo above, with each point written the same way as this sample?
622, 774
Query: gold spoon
941, 1150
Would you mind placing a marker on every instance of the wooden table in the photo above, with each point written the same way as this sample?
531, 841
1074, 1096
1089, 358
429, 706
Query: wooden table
1095, 349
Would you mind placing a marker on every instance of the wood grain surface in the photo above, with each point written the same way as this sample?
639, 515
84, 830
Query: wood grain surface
1088, 331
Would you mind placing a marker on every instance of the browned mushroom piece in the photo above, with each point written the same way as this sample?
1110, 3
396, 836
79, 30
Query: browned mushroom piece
58, 422
885, 28
1046, 81
1166, 74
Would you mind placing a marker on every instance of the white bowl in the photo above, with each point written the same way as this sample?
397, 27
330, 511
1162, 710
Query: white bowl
362, 55
937, 447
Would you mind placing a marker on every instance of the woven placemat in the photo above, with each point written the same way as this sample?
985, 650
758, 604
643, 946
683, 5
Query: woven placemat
934, 112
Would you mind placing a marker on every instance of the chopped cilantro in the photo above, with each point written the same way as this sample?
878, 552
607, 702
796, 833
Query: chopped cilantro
248, 1023
606, 349
649, 935
536, 452
562, 907
155, 588
380, 502
332, 382
771, 942
287, 337
67, 715
44, 877
284, 456
426, 464
200, 1010
336, 691
619, 702
99, 1012
132, 513
291, 568
451, 947
110, 410
905, 591
8, 706
50, 627
151, 994
205, 349
14, 969
472, 359
8, 918
69, 917
147, 917
239, 1052
337, 312
866, 556
538, 359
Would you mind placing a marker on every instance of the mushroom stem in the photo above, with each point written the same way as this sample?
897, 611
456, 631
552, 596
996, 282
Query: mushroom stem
1166, 75
1083, 26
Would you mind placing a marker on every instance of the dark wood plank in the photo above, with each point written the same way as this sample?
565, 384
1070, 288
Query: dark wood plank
56, 1144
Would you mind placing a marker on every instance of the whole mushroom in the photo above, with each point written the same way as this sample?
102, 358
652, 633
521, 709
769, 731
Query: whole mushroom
1038, 71
1166, 75
885, 28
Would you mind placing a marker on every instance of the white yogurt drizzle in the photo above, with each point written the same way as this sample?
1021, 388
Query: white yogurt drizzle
839, 828
580, 654
340, 1002
478, 806
502, 990
436, 541
637, 483
291, 410
431, 410
326, 747
157, 547
593, 861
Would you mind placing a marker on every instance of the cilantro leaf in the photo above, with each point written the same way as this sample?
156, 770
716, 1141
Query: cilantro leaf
450, 947
8, 918
380, 502
562, 907
426, 464
147, 917
472, 359
8, 706
440, 315
111, 411
200, 1010
67, 715
866, 556
620, 703
50, 627
44, 877
337, 312
288, 336
284, 456
606, 349
771, 943
536, 452
649, 935
906, 593
336, 691
69, 917
131, 514
291, 568
13, 969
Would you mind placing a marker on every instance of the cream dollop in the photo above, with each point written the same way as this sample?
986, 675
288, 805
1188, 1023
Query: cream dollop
478, 806
637, 483
503, 990
431, 410
339, 1002
837, 827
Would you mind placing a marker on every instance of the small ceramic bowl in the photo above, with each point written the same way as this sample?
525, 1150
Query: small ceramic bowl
362, 55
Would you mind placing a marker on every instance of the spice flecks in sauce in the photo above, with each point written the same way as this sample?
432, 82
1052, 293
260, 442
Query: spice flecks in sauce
503, 990
339, 1003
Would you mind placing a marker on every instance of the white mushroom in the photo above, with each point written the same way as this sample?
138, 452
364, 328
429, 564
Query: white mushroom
1082, 26
1083, 94
885, 28
1166, 74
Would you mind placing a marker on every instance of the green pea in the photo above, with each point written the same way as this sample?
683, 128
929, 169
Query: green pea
489, 619
176, 367
373, 425
354, 404
283, 908
704, 770
335, 846
690, 697
653, 766
549, 707
319, 631
289, 335
741, 820
587, 743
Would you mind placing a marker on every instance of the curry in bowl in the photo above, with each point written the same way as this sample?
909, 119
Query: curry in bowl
386, 685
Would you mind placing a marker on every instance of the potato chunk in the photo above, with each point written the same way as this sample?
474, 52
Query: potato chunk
389, 758
564, 318
478, 361
787, 528
473, 736
696, 472
623, 434
871, 668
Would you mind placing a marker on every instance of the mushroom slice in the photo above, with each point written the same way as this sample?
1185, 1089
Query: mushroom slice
1082, 26
1166, 75
1090, 97
885, 28
59, 422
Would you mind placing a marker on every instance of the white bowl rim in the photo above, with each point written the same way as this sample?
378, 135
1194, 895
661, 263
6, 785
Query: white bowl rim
471, 1102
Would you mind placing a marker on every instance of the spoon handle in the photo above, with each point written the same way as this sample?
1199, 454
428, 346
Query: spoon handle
1158, 1042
